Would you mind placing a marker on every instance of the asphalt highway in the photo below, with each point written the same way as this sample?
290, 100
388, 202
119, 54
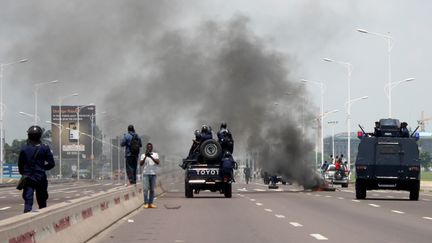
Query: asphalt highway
288, 214
12, 204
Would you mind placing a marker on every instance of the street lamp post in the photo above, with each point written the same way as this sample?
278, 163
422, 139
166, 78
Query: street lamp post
2, 66
322, 87
36, 88
61, 98
349, 128
348, 66
389, 88
36, 118
390, 42
79, 108
333, 123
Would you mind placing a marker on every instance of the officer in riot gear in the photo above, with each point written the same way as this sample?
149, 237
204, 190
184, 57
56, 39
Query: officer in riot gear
34, 160
225, 138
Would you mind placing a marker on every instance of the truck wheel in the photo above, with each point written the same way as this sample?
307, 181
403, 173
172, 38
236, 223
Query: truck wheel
210, 149
360, 190
345, 185
414, 191
228, 190
188, 190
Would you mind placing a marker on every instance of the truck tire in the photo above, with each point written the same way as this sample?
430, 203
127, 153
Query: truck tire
344, 184
360, 190
414, 191
210, 149
188, 190
228, 190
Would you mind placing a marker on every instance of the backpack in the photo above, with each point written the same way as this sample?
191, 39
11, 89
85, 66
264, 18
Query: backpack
135, 144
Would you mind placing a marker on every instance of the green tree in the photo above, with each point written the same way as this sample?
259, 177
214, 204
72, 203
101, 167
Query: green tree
425, 159
12, 151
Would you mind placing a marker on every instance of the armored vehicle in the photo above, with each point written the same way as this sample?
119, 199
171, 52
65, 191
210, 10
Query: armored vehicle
388, 159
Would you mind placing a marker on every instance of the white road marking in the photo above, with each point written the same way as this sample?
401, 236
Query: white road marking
309, 194
280, 216
108, 184
328, 196
389, 196
396, 211
242, 189
3, 197
56, 199
259, 190
340, 198
268, 210
70, 192
374, 205
427, 200
259, 204
2, 209
252, 200
295, 224
375, 195
317, 195
355, 200
131, 221
429, 218
318, 236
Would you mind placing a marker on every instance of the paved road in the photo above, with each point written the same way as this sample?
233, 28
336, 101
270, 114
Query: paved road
256, 214
12, 204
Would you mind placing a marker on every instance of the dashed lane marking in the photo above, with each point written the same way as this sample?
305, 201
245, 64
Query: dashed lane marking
268, 210
374, 205
5, 208
428, 218
252, 200
354, 200
319, 237
398, 212
340, 198
295, 224
328, 196
242, 189
317, 195
280, 216
259, 204
3, 197
425, 199
259, 190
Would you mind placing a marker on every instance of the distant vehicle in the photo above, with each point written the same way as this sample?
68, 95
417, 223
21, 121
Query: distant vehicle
267, 178
334, 176
205, 172
388, 159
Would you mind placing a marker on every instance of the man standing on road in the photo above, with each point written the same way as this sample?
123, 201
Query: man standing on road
150, 162
34, 159
132, 143
247, 173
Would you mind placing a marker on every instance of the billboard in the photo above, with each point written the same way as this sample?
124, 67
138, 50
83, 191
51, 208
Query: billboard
75, 135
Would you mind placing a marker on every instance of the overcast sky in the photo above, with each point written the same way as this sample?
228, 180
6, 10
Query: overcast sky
303, 31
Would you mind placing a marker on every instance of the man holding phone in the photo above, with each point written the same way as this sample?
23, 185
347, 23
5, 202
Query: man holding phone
150, 162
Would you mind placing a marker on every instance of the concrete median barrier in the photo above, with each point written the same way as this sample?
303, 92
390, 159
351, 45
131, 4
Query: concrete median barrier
76, 220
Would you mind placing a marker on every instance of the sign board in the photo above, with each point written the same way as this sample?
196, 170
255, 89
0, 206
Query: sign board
73, 129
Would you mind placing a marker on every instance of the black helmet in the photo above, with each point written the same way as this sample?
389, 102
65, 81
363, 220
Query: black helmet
197, 134
34, 133
204, 128
227, 154
131, 128
223, 125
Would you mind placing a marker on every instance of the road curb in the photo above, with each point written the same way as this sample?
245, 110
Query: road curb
77, 220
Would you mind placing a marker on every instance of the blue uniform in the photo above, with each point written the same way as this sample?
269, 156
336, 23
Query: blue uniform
33, 161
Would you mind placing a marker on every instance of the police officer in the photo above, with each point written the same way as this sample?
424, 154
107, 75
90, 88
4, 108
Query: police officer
34, 159
227, 165
225, 138
404, 130
206, 133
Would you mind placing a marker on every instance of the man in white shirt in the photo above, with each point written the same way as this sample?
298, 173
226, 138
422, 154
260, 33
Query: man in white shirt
150, 162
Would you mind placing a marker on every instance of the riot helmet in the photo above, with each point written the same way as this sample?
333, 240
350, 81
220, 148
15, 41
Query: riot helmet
204, 129
223, 125
131, 128
34, 133
197, 134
